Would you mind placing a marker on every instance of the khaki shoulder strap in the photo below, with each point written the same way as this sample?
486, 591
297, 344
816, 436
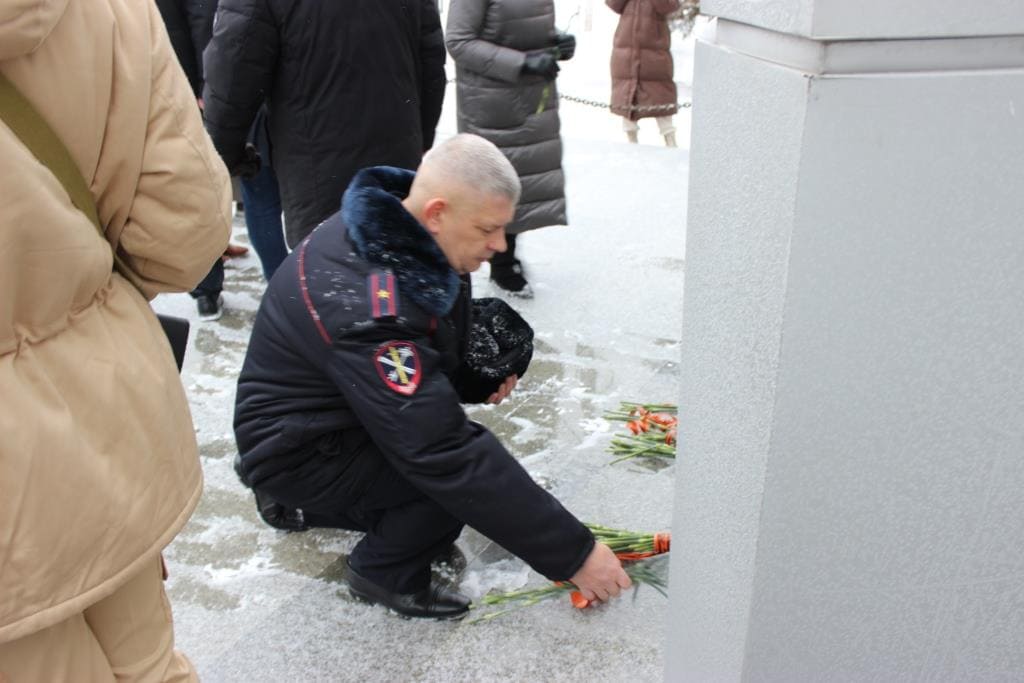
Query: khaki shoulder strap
36, 134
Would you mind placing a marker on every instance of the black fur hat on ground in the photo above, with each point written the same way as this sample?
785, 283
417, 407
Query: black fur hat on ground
500, 345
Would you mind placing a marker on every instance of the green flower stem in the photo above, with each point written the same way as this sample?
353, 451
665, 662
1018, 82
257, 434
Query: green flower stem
642, 572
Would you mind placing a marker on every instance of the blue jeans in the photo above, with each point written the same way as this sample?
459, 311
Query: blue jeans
263, 219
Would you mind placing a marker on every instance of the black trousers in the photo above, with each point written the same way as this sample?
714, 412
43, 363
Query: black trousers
213, 284
344, 482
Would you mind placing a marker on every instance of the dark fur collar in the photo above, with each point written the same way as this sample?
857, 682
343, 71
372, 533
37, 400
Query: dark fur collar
386, 235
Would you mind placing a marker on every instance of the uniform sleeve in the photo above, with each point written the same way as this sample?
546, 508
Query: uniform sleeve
427, 437
238, 65
180, 218
432, 79
465, 22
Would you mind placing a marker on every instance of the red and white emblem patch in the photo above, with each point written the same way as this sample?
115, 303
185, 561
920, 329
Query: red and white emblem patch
398, 364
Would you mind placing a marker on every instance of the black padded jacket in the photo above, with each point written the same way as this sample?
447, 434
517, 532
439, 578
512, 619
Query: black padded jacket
348, 85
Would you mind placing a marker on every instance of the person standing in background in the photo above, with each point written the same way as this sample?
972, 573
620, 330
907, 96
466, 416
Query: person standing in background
506, 56
346, 84
642, 69
262, 199
99, 462
189, 26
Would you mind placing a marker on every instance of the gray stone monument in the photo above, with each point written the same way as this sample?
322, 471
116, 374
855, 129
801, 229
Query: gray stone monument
850, 487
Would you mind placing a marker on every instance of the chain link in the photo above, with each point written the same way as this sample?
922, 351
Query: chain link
640, 109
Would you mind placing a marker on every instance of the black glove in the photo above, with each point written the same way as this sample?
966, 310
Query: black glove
540, 64
566, 43
249, 164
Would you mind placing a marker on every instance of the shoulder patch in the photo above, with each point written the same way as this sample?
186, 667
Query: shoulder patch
382, 294
398, 364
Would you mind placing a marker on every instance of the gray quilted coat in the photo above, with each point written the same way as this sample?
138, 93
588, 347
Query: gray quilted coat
489, 39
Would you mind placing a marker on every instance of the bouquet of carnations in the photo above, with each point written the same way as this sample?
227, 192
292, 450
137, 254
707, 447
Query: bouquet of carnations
652, 430
632, 545
638, 551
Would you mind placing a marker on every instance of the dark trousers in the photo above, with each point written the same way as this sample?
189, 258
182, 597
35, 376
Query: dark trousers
344, 482
506, 258
212, 284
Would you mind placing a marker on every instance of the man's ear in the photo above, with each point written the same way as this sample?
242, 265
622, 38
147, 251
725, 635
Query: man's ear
433, 212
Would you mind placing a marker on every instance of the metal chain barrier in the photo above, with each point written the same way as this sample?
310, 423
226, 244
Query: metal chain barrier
641, 109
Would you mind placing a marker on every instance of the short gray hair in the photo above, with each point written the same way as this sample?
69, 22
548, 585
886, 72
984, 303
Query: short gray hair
475, 163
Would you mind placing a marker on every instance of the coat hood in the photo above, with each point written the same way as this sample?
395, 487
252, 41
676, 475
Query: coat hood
24, 24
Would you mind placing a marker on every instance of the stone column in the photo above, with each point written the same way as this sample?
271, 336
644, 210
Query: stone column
850, 484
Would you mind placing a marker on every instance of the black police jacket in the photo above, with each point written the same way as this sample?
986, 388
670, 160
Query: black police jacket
361, 332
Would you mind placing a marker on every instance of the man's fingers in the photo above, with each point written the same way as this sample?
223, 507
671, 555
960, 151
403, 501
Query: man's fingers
503, 391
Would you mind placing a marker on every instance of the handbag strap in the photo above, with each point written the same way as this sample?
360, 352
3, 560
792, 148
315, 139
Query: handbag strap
35, 133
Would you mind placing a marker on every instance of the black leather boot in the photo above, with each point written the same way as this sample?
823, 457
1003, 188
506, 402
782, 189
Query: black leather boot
277, 515
434, 602
507, 271
270, 511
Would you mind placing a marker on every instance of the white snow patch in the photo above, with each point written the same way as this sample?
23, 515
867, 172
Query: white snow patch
222, 528
595, 424
527, 429
257, 565
500, 576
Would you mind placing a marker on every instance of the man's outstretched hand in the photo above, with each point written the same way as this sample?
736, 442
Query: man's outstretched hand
601, 577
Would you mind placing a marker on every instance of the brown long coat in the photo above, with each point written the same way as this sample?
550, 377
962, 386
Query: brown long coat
641, 61
98, 461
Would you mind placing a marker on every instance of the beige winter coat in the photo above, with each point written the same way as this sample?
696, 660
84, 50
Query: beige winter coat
641, 59
98, 461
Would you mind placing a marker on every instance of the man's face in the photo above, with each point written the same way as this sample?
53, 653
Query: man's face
471, 229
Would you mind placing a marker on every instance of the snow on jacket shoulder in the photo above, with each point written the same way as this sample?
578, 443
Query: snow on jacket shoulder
98, 455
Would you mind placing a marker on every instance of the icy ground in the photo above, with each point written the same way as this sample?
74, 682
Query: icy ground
255, 604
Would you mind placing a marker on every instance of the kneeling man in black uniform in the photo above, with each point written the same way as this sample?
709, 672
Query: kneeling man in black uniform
348, 410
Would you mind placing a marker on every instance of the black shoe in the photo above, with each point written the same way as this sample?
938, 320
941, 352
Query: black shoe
277, 515
210, 307
434, 602
509, 276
